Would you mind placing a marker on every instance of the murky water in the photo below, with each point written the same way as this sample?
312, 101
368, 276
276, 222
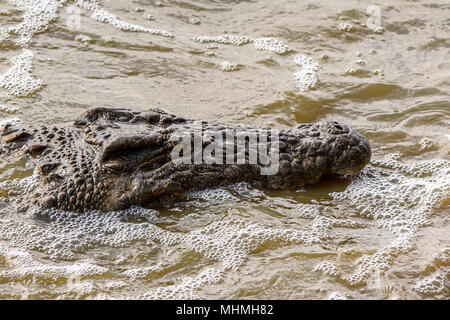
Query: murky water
383, 68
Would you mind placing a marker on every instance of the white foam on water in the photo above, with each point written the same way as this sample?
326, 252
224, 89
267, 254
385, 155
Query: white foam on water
226, 243
13, 191
186, 290
225, 195
141, 273
100, 14
329, 269
400, 197
18, 80
378, 72
379, 30
115, 285
307, 78
213, 195
345, 26
229, 242
267, 44
228, 66
433, 285
437, 283
22, 265
8, 109
322, 224
224, 39
308, 211
5, 12
83, 38
10, 121
271, 44
337, 296
36, 17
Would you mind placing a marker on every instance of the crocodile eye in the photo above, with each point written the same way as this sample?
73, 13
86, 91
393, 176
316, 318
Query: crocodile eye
154, 161
36, 149
115, 166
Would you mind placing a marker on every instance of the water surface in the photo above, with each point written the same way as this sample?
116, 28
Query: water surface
383, 68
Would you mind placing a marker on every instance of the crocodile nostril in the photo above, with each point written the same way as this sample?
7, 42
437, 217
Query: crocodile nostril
337, 128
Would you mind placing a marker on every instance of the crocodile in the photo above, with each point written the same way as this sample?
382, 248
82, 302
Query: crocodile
110, 159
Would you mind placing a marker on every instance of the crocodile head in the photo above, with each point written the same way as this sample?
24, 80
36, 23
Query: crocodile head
111, 159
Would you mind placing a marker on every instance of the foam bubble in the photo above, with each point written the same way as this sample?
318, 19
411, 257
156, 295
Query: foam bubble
346, 27
271, 44
308, 211
442, 258
226, 195
398, 196
213, 195
18, 187
433, 285
100, 14
8, 109
337, 296
36, 17
323, 224
245, 190
18, 79
10, 121
306, 78
140, 273
401, 198
66, 236
268, 44
378, 72
379, 30
22, 265
329, 269
437, 283
5, 12
186, 290
83, 38
224, 39
228, 66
